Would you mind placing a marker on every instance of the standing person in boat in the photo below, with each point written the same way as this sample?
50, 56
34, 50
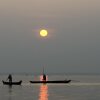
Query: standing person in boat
9, 78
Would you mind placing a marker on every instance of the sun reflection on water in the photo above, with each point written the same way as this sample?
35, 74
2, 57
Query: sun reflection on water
43, 92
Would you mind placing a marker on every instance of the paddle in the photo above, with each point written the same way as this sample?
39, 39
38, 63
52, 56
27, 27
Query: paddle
6, 79
75, 80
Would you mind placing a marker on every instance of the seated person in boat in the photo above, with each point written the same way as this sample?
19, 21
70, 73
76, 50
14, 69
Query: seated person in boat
9, 78
44, 77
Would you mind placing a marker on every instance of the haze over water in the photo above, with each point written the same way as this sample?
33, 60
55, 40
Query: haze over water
71, 46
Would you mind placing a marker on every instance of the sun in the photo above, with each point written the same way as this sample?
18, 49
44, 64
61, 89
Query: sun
43, 33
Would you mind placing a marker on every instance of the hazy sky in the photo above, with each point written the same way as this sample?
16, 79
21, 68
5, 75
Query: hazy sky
73, 43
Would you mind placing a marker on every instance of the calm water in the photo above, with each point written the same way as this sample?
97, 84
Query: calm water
83, 87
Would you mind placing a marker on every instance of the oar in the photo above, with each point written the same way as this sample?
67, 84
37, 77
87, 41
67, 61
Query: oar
75, 80
6, 79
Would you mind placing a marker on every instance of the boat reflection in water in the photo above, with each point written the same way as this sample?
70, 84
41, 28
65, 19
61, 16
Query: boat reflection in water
43, 92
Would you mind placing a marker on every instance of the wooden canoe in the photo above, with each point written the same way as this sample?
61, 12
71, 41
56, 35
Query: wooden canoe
12, 83
56, 81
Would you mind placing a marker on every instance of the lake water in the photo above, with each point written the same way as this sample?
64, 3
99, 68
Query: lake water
83, 87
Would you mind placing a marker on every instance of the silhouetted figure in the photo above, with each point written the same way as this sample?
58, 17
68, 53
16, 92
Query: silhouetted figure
44, 77
10, 78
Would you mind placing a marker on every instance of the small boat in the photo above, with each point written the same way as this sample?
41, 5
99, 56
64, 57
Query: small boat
46, 81
56, 81
12, 83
